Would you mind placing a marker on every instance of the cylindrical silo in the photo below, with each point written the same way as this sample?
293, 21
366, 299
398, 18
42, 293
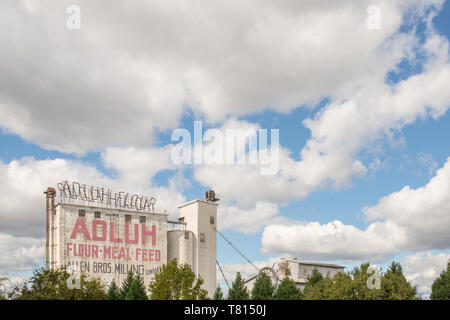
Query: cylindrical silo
180, 245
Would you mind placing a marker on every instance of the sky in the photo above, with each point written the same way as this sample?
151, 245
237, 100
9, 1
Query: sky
358, 92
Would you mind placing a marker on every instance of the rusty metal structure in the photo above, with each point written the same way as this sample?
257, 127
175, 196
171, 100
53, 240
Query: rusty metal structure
74, 192
50, 226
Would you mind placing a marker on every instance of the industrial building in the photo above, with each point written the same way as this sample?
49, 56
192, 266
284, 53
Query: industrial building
297, 270
300, 270
106, 234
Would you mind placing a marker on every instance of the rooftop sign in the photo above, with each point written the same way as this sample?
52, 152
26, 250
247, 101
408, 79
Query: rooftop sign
105, 197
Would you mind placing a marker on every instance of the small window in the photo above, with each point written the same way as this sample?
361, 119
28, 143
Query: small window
304, 271
211, 220
186, 235
202, 237
328, 274
127, 218
142, 219
97, 215
81, 213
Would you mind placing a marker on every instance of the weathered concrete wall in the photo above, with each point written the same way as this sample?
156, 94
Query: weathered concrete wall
201, 218
109, 246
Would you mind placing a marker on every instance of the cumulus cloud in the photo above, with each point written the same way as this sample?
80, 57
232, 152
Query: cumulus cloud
331, 241
410, 219
347, 126
422, 268
338, 133
132, 67
422, 213
137, 166
21, 191
20, 253
249, 221
24, 181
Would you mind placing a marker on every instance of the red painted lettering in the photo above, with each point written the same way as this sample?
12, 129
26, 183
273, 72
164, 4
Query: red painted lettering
112, 237
95, 223
127, 234
80, 227
146, 233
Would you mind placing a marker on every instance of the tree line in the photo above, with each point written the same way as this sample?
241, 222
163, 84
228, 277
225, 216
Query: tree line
179, 282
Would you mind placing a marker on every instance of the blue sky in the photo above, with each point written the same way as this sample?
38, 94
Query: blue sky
109, 111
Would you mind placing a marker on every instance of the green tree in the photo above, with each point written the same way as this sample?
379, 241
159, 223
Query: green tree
263, 288
126, 285
238, 290
339, 288
440, 290
359, 288
137, 289
52, 285
218, 294
394, 285
287, 290
315, 286
177, 283
114, 292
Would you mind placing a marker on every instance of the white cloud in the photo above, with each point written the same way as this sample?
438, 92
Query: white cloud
338, 133
331, 241
422, 213
20, 253
423, 268
426, 159
133, 65
137, 166
24, 181
21, 191
249, 221
410, 219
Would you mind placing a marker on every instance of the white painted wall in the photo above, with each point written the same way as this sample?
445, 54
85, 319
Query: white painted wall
197, 215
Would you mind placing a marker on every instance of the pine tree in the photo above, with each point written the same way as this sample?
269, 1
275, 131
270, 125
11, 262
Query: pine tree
114, 292
218, 294
287, 290
137, 289
394, 285
314, 288
126, 285
238, 290
440, 290
263, 288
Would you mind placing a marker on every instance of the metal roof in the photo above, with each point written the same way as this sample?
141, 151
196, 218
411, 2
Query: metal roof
329, 265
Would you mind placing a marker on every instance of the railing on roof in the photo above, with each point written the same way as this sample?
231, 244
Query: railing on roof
176, 225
